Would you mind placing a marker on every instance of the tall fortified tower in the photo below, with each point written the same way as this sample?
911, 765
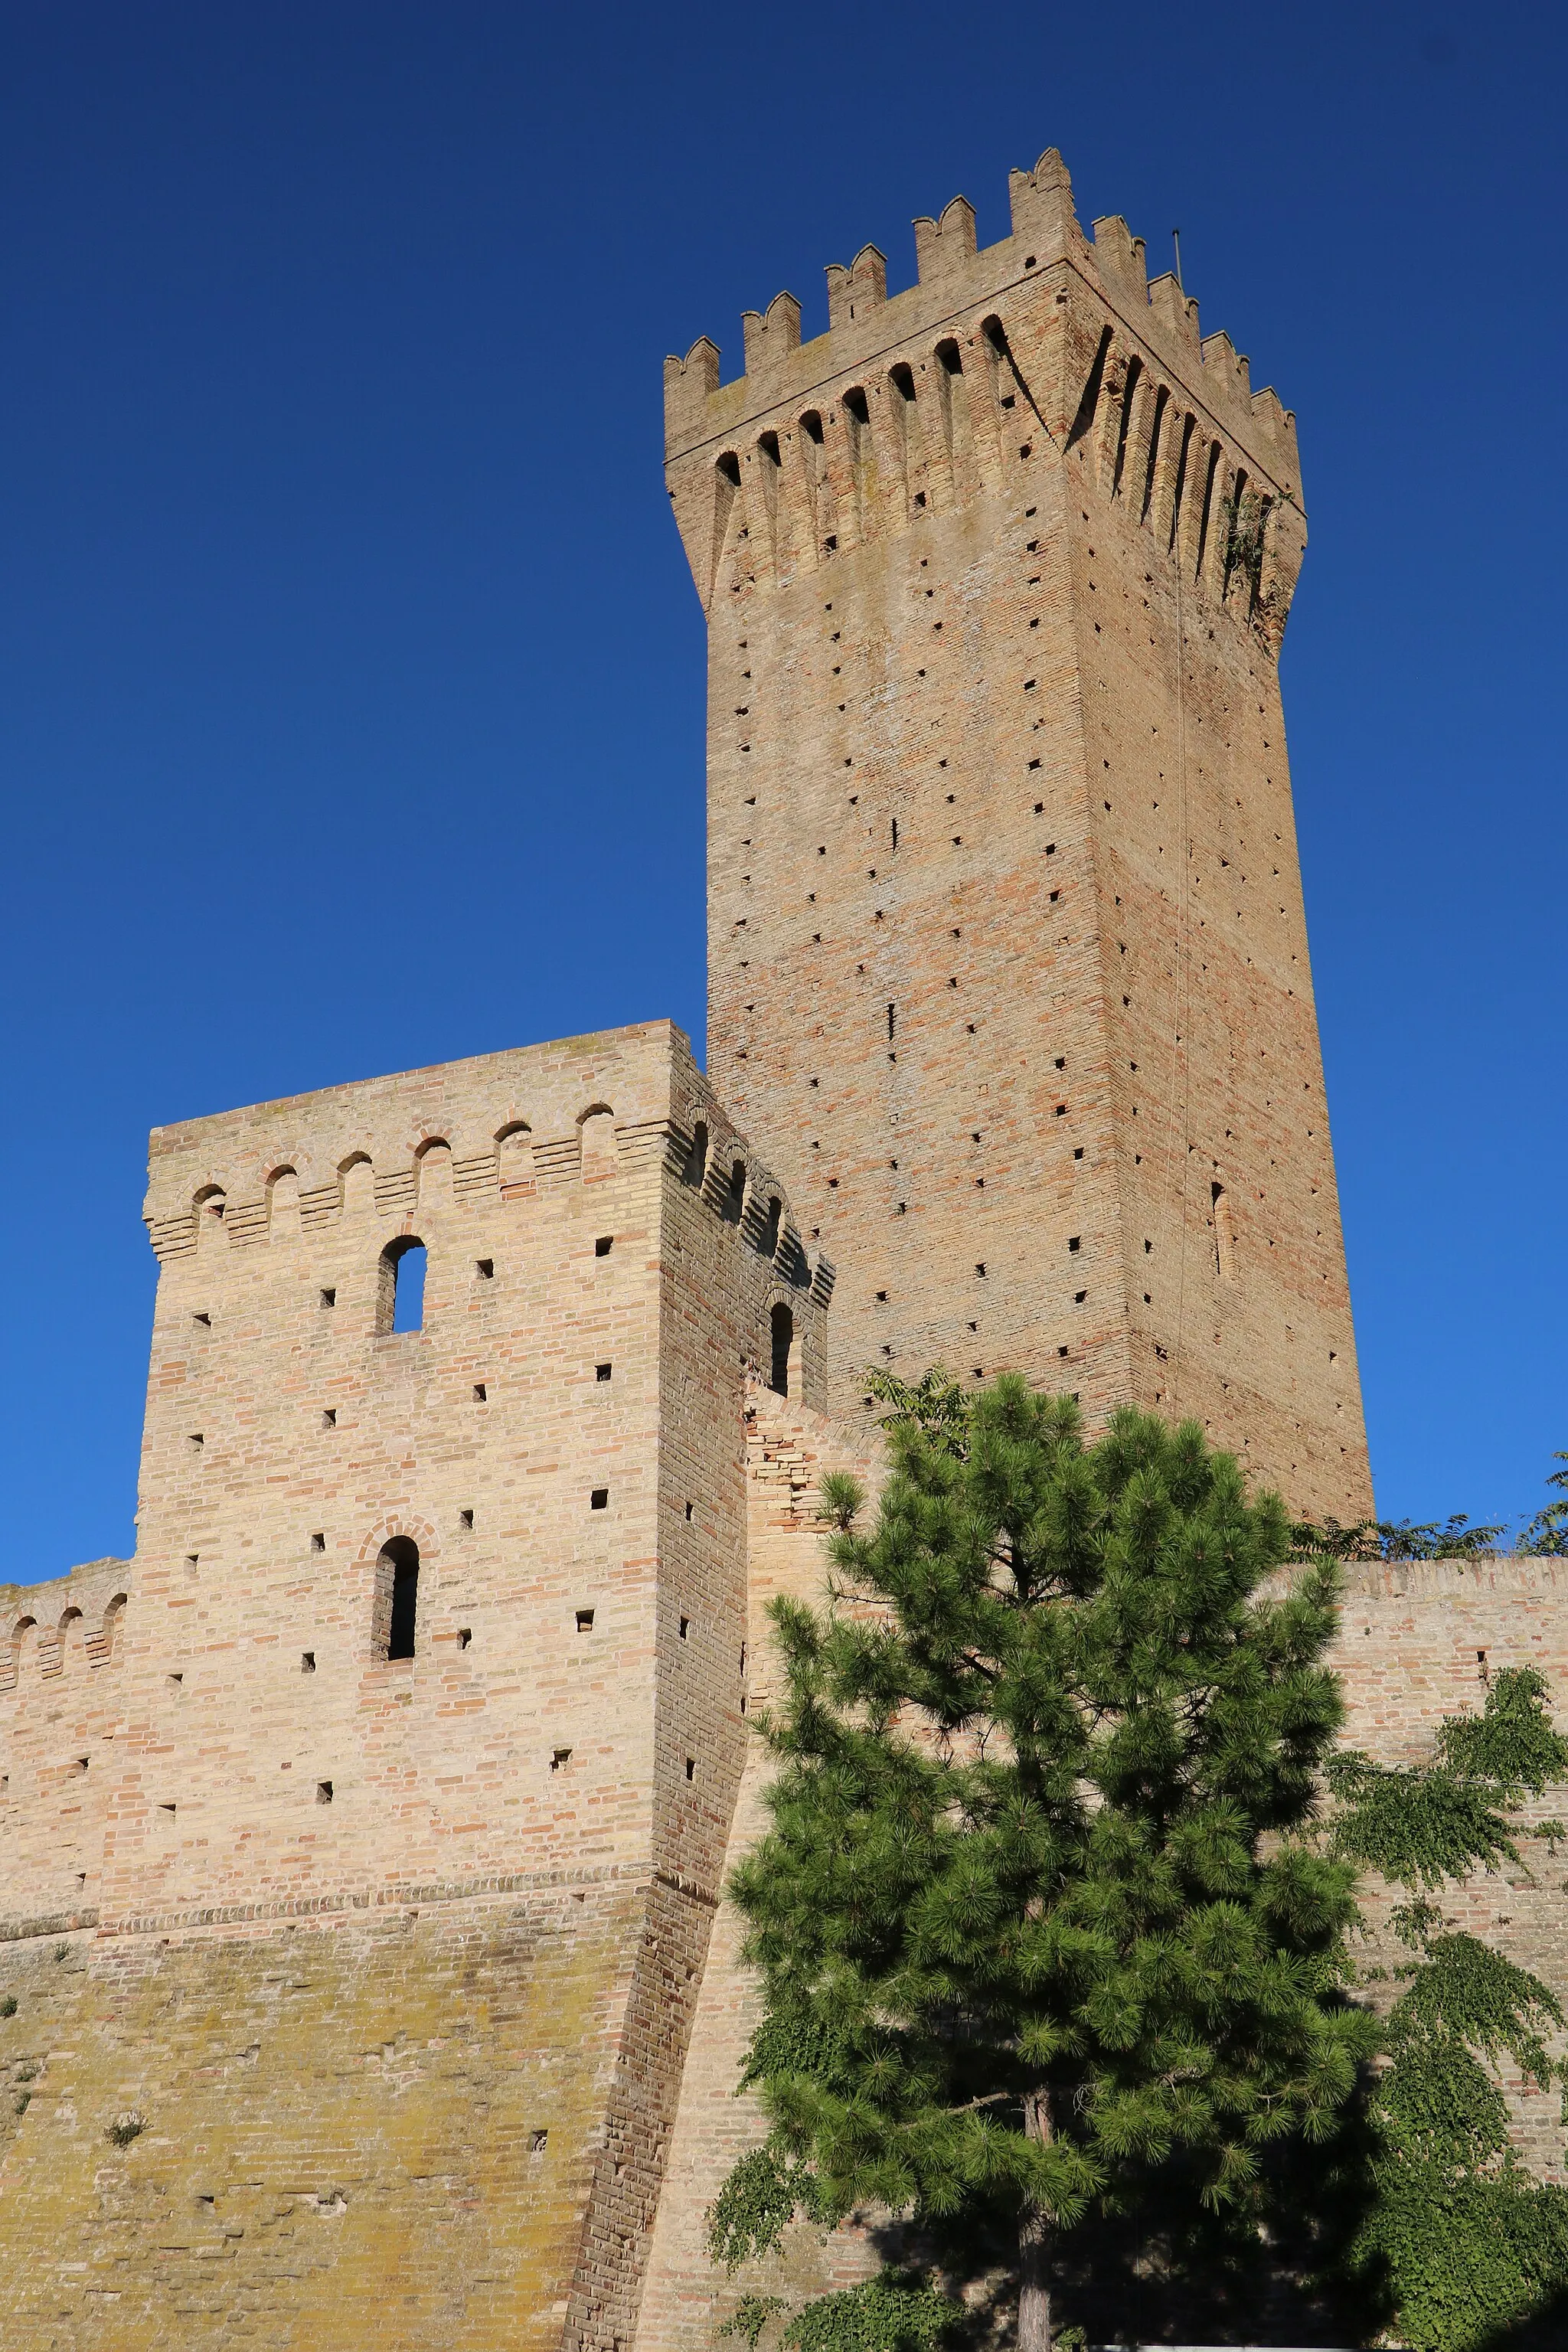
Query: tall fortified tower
1007, 962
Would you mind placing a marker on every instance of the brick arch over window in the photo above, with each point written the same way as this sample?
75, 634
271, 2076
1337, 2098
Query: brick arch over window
399, 1530
113, 1625
597, 1126
71, 1640
283, 1203
397, 1523
514, 1155
22, 1654
356, 1183
209, 1204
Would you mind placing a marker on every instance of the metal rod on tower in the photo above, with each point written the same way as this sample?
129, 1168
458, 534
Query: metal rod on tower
1176, 241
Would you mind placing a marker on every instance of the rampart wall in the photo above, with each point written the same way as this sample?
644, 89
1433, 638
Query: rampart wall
1416, 1640
461, 1896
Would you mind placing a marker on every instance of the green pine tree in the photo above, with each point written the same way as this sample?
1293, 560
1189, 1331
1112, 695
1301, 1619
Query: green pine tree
1041, 1917
1470, 2243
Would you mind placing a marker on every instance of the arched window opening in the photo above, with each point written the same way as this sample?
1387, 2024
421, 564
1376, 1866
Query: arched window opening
1210, 476
210, 1206
597, 1130
514, 1155
1089, 404
768, 464
696, 1158
1161, 402
433, 1172
858, 412
735, 1198
1128, 396
1224, 1235
1189, 426
70, 1639
114, 1619
782, 1323
728, 468
24, 1648
769, 1243
400, 1290
1236, 516
398, 1597
357, 1180
950, 357
811, 425
282, 1203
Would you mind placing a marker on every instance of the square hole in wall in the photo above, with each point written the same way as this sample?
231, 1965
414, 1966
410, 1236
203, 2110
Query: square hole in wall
691, 1510
602, 1246
175, 1684
330, 1417
691, 1768
599, 1500
328, 1297
205, 1320
560, 1758
307, 1662
538, 2142
601, 1371
78, 1765
465, 1635
481, 1393
323, 1792
193, 1561
584, 1621
466, 1519
195, 1441
318, 1541
485, 1268
685, 1627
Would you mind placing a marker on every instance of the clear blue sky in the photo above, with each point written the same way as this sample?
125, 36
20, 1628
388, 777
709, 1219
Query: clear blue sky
351, 679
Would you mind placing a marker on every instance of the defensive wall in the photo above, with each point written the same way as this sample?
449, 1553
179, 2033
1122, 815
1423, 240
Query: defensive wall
378, 1811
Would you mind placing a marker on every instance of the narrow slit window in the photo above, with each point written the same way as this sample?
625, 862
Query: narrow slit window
398, 1597
1224, 1235
400, 1292
782, 1334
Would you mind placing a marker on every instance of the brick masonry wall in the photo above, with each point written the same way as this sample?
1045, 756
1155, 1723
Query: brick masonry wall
1415, 1643
208, 1748
1007, 951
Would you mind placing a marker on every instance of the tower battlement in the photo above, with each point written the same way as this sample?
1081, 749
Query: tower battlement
869, 328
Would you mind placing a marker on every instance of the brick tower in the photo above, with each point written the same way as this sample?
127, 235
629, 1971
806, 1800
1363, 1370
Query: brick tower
1007, 962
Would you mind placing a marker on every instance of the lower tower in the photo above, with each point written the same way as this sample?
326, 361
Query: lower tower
1008, 960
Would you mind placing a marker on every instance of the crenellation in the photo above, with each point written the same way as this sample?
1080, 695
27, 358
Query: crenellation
945, 246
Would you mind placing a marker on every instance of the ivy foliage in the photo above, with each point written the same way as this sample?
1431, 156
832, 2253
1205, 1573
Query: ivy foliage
1546, 1535
1452, 1538
1470, 2243
1041, 1915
